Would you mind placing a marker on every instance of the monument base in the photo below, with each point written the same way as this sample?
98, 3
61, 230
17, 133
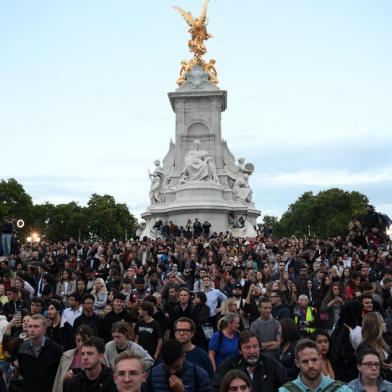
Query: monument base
214, 210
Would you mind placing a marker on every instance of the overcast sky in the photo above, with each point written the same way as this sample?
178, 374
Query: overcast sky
84, 83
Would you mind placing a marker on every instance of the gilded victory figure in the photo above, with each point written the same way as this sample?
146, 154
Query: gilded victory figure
199, 34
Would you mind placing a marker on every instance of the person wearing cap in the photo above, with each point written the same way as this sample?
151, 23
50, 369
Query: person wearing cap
140, 290
237, 295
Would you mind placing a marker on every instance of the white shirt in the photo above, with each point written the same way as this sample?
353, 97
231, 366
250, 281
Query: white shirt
69, 315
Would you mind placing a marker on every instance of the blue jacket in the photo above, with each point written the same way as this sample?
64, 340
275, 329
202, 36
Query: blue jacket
194, 378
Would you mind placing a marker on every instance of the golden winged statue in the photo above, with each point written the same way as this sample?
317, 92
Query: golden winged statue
197, 28
199, 34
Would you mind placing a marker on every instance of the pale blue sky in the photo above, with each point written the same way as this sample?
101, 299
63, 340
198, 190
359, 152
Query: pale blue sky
84, 107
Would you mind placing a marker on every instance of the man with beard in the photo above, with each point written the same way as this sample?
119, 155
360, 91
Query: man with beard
308, 360
266, 373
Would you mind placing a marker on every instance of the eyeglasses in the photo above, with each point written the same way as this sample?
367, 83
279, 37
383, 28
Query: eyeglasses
371, 364
131, 373
242, 387
183, 330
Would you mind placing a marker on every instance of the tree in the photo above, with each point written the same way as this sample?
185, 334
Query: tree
15, 202
270, 220
327, 213
108, 219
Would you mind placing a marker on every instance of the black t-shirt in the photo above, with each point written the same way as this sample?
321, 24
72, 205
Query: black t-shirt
148, 334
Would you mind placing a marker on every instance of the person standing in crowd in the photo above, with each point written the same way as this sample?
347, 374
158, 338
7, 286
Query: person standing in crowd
290, 337
121, 343
369, 365
71, 360
118, 313
58, 330
328, 364
305, 316
6, 235
280, 310
184, 330
38, 357
175, 373
267, 329
311, 378
148, 331
214, 298
129, 372
74, 309
100, 294
88, 317
224, 342
95, 376
266, 373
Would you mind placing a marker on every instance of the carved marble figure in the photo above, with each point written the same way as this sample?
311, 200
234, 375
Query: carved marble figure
241, 189
198, 166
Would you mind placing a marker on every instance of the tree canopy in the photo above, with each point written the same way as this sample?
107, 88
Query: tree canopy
101, 218
324, 214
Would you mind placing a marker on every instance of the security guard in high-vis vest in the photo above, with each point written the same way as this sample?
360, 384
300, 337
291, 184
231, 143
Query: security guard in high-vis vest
305, 316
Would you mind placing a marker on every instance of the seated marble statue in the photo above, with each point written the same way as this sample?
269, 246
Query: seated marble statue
241, 189
198, 166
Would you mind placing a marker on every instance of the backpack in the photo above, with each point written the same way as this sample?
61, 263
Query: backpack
333, 387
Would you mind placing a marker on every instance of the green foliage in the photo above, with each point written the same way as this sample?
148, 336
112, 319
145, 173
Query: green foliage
327, 213
102, 218
270, 220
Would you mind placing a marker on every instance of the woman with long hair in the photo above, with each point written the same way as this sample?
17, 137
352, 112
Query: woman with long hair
331, 306
224, 342
323, 342
204, 328
235, 380
294, 295
65, 286
352, 286
310, 291
100, 294
325, 285
345, 339
290, 337
285, 284
373, 328
71, 361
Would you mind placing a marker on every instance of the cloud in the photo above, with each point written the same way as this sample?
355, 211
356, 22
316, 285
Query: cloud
323, 177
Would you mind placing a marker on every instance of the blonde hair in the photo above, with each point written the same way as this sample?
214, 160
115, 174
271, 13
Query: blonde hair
372, 331
226, 320
103, 288
225, 309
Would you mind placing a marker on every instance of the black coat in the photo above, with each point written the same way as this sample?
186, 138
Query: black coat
104, 382
269, 374
39, 373
95, 322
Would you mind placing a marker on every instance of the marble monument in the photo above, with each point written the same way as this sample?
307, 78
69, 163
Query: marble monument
199, 176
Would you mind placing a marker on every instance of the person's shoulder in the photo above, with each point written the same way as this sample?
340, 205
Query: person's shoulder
354, 384
198, 351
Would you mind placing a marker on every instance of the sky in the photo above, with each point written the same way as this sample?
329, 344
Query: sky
84, 106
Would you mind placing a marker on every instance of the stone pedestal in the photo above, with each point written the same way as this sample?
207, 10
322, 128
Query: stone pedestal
199, 177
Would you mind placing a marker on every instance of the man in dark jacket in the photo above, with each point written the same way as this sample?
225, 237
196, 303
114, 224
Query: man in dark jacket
118, 313
280, 310
175, 373
89, 318
266, 373
38, 357
95, 377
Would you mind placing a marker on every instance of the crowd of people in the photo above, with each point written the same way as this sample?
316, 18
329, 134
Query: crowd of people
197, 311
